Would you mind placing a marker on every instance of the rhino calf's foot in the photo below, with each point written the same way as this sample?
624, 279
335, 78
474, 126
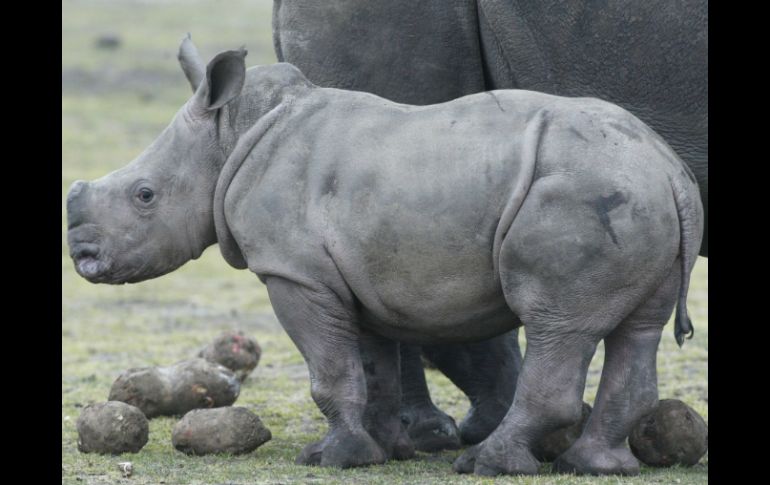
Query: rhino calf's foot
589, 458
481, 420
311, 454
393, 439
467, 460
494, 457
343, 449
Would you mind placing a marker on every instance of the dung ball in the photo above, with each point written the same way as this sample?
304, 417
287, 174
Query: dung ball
176, 389
674, 433
234, 430
234, 350
112, 427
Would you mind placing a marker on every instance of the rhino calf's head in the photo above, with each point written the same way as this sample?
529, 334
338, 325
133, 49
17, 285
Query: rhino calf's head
155, 214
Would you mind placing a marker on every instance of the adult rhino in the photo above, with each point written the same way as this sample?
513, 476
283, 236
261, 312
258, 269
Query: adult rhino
371, 221
649, 57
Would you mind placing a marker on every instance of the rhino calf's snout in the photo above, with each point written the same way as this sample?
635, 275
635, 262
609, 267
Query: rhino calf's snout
75, 203
75, 189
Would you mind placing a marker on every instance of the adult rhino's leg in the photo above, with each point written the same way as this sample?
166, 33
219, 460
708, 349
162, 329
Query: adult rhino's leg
383, 388
430, 428
326, 335
628, 388
486, 372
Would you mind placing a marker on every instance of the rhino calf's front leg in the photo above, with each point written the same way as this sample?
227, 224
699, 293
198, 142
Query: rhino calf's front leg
382, 420
326, 335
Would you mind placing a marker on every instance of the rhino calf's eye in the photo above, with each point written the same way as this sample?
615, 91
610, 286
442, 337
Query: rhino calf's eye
145, 195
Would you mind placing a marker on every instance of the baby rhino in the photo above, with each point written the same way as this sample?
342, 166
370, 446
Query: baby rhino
373, 222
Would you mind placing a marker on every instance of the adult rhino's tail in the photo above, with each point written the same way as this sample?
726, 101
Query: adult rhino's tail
690, 211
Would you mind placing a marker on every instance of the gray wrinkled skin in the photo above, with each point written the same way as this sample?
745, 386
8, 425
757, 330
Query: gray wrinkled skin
371, 221
649, 57
557, 442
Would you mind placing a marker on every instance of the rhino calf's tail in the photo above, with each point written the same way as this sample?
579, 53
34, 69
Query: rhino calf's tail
690, 233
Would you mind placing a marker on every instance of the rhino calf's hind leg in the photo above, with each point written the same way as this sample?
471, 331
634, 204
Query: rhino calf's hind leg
430, 428
571, 286
383, 388
628, 388
324, 332
548, 396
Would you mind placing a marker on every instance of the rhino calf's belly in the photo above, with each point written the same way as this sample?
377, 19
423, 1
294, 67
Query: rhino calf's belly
431, 316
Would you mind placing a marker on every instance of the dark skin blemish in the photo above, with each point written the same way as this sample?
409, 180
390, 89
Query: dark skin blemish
330, 184
603, 206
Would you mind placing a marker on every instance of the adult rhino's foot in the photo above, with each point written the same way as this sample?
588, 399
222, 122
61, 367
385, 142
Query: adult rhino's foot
430, 428
492, 457
587, 458
343, 449
481, 420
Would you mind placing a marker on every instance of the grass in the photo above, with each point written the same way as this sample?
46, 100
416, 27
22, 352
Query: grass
114, 102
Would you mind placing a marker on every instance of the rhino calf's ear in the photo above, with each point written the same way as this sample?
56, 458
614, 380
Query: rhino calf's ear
191, 62
225, 76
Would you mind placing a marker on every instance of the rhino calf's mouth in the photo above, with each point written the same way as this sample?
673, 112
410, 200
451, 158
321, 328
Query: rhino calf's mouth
85, 253
89, 266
